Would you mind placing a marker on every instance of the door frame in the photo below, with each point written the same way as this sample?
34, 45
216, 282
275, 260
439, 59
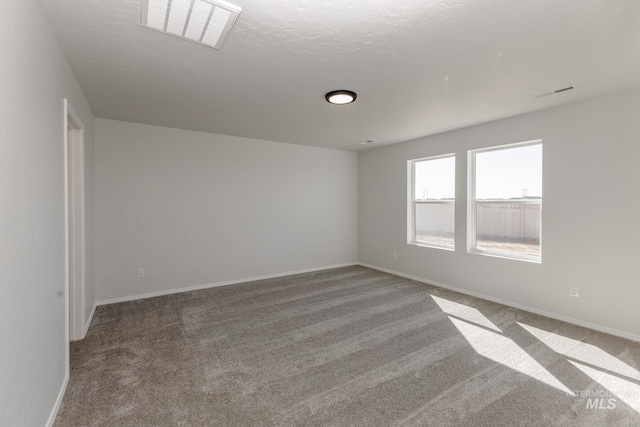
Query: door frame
75, 258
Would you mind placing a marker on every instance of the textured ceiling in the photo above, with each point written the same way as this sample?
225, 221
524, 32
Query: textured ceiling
419, 67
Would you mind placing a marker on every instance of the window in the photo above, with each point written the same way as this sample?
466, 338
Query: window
432, 202
506, 201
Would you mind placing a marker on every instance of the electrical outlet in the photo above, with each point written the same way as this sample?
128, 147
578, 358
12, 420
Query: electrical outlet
394, 255
574, 291
140, 273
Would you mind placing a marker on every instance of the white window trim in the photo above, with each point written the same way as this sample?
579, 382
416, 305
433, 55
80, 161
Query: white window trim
411, 220
472, 205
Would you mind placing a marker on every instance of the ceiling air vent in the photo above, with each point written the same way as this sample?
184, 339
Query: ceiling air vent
553, 92
200, 21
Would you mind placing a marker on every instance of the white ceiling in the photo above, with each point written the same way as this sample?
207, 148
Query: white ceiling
419, 67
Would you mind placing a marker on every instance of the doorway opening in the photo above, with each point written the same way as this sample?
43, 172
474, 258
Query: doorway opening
75, 238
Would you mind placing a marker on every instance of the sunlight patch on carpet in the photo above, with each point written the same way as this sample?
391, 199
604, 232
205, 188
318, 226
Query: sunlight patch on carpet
465, 312
625, 390
503, 350
583, 352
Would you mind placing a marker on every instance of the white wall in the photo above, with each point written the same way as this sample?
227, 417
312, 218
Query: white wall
34, 79
591, 210
195, 209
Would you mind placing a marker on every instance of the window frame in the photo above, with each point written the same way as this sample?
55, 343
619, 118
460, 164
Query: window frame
472, 204
411, 205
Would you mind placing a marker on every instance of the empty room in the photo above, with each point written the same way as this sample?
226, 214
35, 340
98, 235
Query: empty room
319, 213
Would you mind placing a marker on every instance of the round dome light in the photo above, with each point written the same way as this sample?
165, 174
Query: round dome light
341, 97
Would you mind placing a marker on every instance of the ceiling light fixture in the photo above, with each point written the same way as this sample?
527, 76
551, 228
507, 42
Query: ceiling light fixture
205, 22
341, 97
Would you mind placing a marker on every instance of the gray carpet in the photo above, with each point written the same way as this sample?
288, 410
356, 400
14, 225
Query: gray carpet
344, 347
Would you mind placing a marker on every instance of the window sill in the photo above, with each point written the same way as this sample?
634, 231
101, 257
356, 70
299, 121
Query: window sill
432, 246
533, 260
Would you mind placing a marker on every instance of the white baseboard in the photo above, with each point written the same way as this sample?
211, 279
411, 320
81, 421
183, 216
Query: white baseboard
218, 284
56, 406
595, 327
89, 320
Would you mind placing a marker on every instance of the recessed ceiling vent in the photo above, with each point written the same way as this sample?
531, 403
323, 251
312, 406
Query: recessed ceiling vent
204, 22
554, 92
